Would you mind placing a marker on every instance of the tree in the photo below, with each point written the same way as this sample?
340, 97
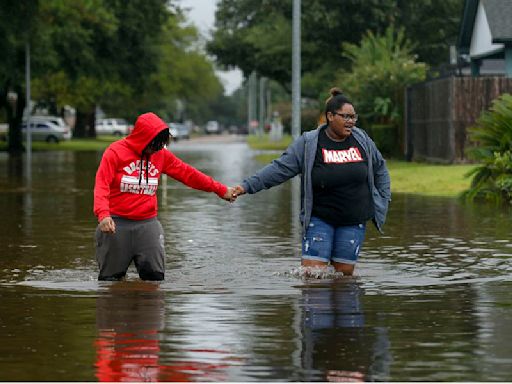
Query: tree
184, 74
432, 26
71, 60
139, 64
16, 23
382, 66
244, 30
256, 35
103, 53
128, 57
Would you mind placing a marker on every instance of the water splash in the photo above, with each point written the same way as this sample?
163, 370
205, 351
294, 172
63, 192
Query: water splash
320, 273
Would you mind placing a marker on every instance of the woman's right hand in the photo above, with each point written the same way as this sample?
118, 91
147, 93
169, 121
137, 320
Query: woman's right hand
239, 190
107, 225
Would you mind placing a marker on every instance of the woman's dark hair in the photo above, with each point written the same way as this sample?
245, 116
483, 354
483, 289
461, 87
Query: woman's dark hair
335, 101
160, 140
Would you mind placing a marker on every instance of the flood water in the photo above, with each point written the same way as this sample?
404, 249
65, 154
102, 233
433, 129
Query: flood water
431, 300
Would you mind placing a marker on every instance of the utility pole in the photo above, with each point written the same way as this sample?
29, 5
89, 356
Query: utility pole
295, 201
261, 110
251, 102
248, 100
268, 96
254, 90
296, 70
29, 112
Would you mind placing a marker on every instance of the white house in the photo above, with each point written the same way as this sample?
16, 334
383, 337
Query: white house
485, 37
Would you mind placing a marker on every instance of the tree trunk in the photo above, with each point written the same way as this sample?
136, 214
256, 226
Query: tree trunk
14, 118
85, 124
91, 124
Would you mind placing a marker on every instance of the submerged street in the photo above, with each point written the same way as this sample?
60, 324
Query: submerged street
429, 301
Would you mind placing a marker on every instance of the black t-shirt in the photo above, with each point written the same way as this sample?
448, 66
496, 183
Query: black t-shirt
341, 195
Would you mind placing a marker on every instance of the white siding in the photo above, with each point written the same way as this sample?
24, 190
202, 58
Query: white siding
481, 41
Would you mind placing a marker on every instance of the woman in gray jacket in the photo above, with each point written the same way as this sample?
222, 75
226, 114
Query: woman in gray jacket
345, 183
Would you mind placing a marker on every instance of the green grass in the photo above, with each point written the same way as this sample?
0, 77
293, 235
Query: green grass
429, 179
97, 144
264, 142
416, 178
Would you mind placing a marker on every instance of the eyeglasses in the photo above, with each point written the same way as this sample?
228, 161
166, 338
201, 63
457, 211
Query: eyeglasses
346, 116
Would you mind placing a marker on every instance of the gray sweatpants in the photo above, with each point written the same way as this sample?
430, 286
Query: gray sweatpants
139, 240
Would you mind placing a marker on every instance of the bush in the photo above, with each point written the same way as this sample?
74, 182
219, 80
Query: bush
309, 119
382, 66
384, 136
492, 138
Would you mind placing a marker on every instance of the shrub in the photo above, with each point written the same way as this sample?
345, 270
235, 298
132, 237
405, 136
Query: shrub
492, 137
384, 136
308, 120
382, 66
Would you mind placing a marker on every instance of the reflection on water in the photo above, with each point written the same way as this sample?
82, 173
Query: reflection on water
335, 340
130, 318
430, 301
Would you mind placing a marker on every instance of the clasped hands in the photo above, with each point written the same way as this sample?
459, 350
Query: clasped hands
233, 192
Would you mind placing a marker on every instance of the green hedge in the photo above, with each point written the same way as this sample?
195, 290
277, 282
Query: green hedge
384, 137
308, 120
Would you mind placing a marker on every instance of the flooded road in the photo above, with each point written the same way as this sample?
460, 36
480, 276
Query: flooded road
431, 300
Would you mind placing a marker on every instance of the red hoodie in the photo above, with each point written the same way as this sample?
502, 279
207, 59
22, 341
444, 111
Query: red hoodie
121, 190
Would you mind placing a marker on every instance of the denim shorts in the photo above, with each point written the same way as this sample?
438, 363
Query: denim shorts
324, 242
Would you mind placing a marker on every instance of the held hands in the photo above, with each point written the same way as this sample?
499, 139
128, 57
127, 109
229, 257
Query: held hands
230, 195
233, 192
107, 225
239, 190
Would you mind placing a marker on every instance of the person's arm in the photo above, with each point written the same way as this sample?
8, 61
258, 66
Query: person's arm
104, 177
193, 178
278, 171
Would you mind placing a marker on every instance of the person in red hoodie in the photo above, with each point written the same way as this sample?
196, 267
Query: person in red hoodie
125, 200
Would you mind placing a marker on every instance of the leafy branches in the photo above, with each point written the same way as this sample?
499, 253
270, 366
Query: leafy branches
128, 57
382, 66
256, 35
492, 179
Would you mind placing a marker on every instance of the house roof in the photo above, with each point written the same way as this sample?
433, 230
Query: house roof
499, 16
466, 25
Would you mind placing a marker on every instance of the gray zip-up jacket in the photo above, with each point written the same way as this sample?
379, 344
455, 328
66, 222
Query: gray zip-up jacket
299, 158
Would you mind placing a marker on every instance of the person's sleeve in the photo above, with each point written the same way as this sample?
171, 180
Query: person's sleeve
381, 174
104, 177
279, 170
190, 176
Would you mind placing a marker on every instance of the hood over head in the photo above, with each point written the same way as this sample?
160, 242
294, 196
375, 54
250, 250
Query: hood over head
147, 126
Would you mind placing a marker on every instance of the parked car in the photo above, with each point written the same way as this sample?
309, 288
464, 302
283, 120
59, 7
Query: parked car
179, 131
233, 129
113, 126
45, 130
212, 127
57, 120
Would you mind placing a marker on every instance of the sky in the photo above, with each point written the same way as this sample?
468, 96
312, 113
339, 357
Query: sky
202, 14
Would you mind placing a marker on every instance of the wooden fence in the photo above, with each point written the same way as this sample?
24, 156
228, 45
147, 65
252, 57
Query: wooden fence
439, 112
